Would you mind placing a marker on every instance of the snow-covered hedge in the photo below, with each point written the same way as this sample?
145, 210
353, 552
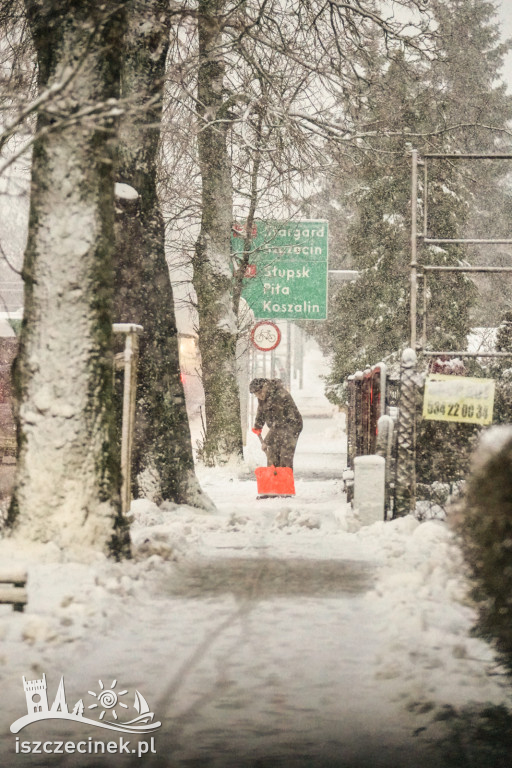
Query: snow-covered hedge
484, 522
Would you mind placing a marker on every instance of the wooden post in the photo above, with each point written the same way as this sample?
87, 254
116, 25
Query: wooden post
414, 244
289, 355
130, 356
16, 594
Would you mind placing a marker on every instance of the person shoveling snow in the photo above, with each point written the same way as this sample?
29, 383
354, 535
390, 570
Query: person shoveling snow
276, 409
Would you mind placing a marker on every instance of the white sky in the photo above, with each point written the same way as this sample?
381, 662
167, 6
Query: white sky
504, 15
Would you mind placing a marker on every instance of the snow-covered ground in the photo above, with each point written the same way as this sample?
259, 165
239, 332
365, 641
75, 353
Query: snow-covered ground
275, 632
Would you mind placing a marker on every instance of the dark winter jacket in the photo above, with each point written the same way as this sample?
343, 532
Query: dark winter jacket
278, 410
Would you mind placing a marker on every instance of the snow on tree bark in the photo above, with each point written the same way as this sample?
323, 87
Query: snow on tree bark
213, 273
164, 464
68, 475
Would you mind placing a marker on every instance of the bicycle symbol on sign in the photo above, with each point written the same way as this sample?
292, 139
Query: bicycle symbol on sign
265, 336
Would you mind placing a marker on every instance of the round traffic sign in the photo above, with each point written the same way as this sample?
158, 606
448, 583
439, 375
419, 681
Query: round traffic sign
265, 336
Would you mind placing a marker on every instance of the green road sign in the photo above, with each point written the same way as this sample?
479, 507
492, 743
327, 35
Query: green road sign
286, 278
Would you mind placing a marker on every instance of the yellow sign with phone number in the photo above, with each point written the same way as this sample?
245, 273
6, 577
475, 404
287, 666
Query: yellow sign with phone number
458, 398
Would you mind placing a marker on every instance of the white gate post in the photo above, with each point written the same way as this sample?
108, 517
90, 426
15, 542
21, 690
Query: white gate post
369, 488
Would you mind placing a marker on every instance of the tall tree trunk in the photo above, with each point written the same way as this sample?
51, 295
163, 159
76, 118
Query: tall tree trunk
68, 475
164, 464
213, 273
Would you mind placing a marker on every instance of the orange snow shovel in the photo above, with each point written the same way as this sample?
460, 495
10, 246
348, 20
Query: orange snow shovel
275, 481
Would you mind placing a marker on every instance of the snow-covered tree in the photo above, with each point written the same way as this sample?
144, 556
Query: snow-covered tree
266, 92
212, 262
164, 465
370, 318
471, 96
430, 106
68, 476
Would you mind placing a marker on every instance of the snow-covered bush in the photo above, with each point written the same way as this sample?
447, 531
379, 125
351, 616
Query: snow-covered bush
484, 522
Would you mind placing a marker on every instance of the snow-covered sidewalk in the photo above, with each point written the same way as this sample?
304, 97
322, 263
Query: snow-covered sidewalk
272, 633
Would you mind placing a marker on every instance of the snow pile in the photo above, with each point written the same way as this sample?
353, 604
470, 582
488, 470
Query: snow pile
381, 608
425, 618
